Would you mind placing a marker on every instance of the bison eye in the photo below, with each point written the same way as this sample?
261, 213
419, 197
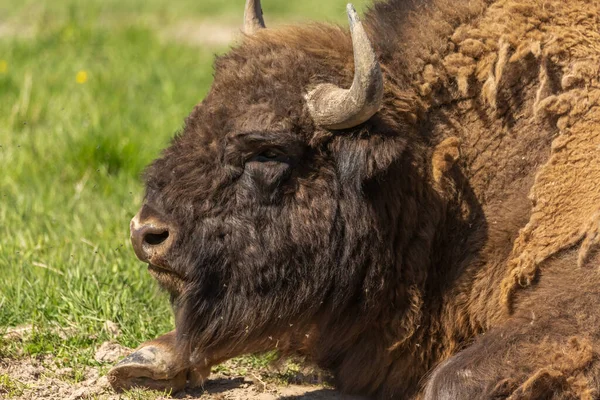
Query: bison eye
268, 155
267, 170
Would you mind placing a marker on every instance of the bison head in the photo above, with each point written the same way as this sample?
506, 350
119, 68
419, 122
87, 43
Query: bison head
273, 216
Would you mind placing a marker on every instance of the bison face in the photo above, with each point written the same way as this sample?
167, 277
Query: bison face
255, 218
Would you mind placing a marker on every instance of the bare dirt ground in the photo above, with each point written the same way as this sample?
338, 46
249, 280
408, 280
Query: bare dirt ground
32, 379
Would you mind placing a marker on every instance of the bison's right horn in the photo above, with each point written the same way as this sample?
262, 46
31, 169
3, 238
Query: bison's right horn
336, 108
253, 17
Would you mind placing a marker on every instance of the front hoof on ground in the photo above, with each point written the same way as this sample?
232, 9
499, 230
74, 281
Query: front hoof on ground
149, 367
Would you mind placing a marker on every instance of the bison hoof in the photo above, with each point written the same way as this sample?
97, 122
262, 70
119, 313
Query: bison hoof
152, 367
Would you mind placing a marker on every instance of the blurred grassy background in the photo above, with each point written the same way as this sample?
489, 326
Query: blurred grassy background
90, 91
134, 11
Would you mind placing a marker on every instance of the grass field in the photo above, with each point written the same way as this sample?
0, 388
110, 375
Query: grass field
90, 91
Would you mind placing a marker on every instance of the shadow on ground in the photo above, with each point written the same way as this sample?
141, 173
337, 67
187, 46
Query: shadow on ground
246, 389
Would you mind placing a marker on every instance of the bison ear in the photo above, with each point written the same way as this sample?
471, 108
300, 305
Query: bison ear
367, 154
253, 17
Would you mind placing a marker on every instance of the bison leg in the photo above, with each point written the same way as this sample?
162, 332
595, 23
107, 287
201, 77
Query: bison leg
521, 361
157, 365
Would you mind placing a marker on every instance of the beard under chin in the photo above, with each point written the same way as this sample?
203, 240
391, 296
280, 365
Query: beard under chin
215, 329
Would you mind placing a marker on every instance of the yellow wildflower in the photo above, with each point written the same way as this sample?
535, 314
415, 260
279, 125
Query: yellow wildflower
3, 66
81, 77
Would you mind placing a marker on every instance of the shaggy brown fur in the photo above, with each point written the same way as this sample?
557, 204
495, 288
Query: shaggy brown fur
379, 252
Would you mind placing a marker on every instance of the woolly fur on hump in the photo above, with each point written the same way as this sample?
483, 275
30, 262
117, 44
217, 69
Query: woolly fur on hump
534, 66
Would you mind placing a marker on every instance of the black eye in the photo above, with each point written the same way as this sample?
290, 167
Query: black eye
267, 155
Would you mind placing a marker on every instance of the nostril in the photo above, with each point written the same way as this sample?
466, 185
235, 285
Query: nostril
155, 239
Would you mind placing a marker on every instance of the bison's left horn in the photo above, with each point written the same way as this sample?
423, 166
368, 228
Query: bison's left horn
253, 17
336, 108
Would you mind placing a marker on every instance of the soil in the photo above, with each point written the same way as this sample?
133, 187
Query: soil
38, 378
34, 379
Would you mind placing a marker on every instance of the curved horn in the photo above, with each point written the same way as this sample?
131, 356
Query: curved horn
335, 108
253, 17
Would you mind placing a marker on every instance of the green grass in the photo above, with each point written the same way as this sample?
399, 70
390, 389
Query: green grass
10, 387
71, 155
89, 94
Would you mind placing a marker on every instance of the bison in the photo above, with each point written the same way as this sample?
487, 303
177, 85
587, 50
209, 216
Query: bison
413, 205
